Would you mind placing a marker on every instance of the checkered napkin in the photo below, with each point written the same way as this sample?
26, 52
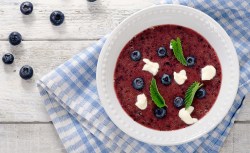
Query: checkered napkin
70, 95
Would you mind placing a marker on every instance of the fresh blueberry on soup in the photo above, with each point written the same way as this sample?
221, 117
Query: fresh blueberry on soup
166, 79
160, 112
190, 61
135, 55
179, 102
138, 83
162, 52
172, 78
200, 93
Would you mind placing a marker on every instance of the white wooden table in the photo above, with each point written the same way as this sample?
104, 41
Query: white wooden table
25, 126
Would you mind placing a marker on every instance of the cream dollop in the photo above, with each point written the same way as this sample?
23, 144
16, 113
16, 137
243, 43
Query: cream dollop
208, 72
180, 77
185, 116
151, 67
141, 101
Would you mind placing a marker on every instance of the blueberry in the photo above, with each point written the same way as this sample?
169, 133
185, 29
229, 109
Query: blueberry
135, 55
160, 112
15, 38
190, 61
26, 8
56, 18
200, 93
138, 83
91, 0
8, 58
162, 52
178, 102
26, 72
165, 79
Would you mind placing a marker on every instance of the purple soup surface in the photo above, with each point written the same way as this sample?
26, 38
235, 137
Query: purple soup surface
147, 42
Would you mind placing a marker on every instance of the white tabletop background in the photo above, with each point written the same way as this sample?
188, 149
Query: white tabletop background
25, 126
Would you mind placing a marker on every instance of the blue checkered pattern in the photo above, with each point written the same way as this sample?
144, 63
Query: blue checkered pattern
71, 99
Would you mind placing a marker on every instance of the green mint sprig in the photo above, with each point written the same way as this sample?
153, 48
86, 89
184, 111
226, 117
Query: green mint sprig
155, 95
177, 49
190, 93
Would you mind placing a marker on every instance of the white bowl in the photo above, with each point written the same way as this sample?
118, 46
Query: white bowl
158, 15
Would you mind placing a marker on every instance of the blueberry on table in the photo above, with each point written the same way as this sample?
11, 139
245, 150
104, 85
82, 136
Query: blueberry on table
166, 79
15, 38
135, 55
162, 52
200, 93
26, 8
160, 112
191, 61
8, 58
26, 72
179, 102
91, 0
138, 83
56, 18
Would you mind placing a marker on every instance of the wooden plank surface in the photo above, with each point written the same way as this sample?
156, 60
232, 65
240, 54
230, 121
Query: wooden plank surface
20, 100
238, 139
83, 20
29, 138
42, 138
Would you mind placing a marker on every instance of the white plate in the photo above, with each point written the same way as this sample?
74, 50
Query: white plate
158, 15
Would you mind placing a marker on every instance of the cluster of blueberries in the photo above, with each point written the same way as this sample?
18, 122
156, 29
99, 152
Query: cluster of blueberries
138, 83
15, 38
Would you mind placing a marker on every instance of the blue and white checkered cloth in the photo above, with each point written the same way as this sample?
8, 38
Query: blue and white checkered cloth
71, 99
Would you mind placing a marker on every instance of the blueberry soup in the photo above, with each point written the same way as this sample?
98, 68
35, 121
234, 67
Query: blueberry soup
167, 77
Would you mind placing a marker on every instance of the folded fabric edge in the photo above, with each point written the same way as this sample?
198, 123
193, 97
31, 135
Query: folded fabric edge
59, 120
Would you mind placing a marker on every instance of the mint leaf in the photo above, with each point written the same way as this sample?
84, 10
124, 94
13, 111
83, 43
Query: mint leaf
177, 49
190, 93
155, 95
